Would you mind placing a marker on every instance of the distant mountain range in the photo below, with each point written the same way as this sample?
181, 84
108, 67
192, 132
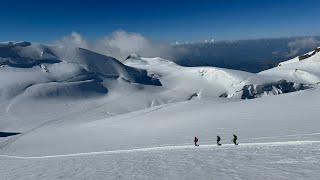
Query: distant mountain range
247, 55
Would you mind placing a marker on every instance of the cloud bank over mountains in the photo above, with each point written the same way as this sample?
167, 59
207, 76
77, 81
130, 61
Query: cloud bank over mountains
248, 55
302, 43
120, 44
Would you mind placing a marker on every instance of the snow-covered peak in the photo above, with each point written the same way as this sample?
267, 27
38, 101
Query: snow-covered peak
212, 81
37, 71
302, 69
45, 71
137, 60
311, 56
16, 43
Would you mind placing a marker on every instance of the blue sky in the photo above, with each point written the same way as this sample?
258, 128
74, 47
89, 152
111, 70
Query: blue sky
188, 20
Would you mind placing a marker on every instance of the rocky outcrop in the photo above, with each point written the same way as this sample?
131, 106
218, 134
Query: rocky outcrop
251, 91
305, 56
254, 91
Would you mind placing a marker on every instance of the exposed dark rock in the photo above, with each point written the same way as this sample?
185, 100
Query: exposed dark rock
253, 91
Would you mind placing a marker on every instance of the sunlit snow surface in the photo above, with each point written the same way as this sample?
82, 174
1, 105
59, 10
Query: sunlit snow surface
288, 160
146, 131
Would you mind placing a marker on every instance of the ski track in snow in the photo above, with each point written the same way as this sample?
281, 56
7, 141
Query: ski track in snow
167, 148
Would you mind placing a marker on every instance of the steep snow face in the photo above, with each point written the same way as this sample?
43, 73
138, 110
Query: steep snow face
311, 55
302, 69
27, 55
41, 79
51, 71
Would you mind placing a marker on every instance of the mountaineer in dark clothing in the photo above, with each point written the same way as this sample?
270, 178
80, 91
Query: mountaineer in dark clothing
196, 141
218, 140
235, 139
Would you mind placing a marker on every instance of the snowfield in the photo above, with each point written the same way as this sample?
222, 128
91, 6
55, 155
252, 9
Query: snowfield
82, 115
248, 161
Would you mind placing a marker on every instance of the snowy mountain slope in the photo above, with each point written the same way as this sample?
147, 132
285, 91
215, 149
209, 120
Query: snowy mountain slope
71, 66
204, 81
277, 141
177, 123
84, 115
301, 70
53, 78
310, 55
211, 81
40, 80
40, 71
51, 71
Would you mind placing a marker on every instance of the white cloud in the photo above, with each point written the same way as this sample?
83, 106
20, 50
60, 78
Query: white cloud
120, 44
302, 43
293, 52
73, 40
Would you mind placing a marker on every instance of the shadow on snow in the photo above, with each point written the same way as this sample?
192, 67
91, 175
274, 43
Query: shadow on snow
6, 134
